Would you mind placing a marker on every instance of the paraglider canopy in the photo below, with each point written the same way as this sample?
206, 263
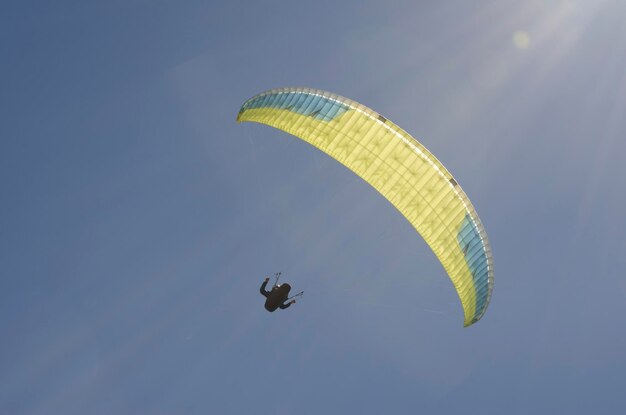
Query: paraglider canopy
401, 169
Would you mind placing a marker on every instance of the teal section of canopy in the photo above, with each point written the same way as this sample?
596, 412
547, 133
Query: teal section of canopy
317, 106
475, 256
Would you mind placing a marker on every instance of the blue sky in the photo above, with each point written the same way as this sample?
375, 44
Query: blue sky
137, 219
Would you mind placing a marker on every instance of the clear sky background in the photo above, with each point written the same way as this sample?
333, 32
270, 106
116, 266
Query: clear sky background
137, 219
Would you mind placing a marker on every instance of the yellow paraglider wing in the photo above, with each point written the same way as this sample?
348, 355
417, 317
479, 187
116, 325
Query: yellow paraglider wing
400, 168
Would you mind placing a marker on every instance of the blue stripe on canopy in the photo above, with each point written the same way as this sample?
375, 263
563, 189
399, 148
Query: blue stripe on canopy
317, 106
473, 248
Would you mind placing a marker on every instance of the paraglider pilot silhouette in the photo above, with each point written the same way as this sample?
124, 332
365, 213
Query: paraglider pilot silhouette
279, 294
